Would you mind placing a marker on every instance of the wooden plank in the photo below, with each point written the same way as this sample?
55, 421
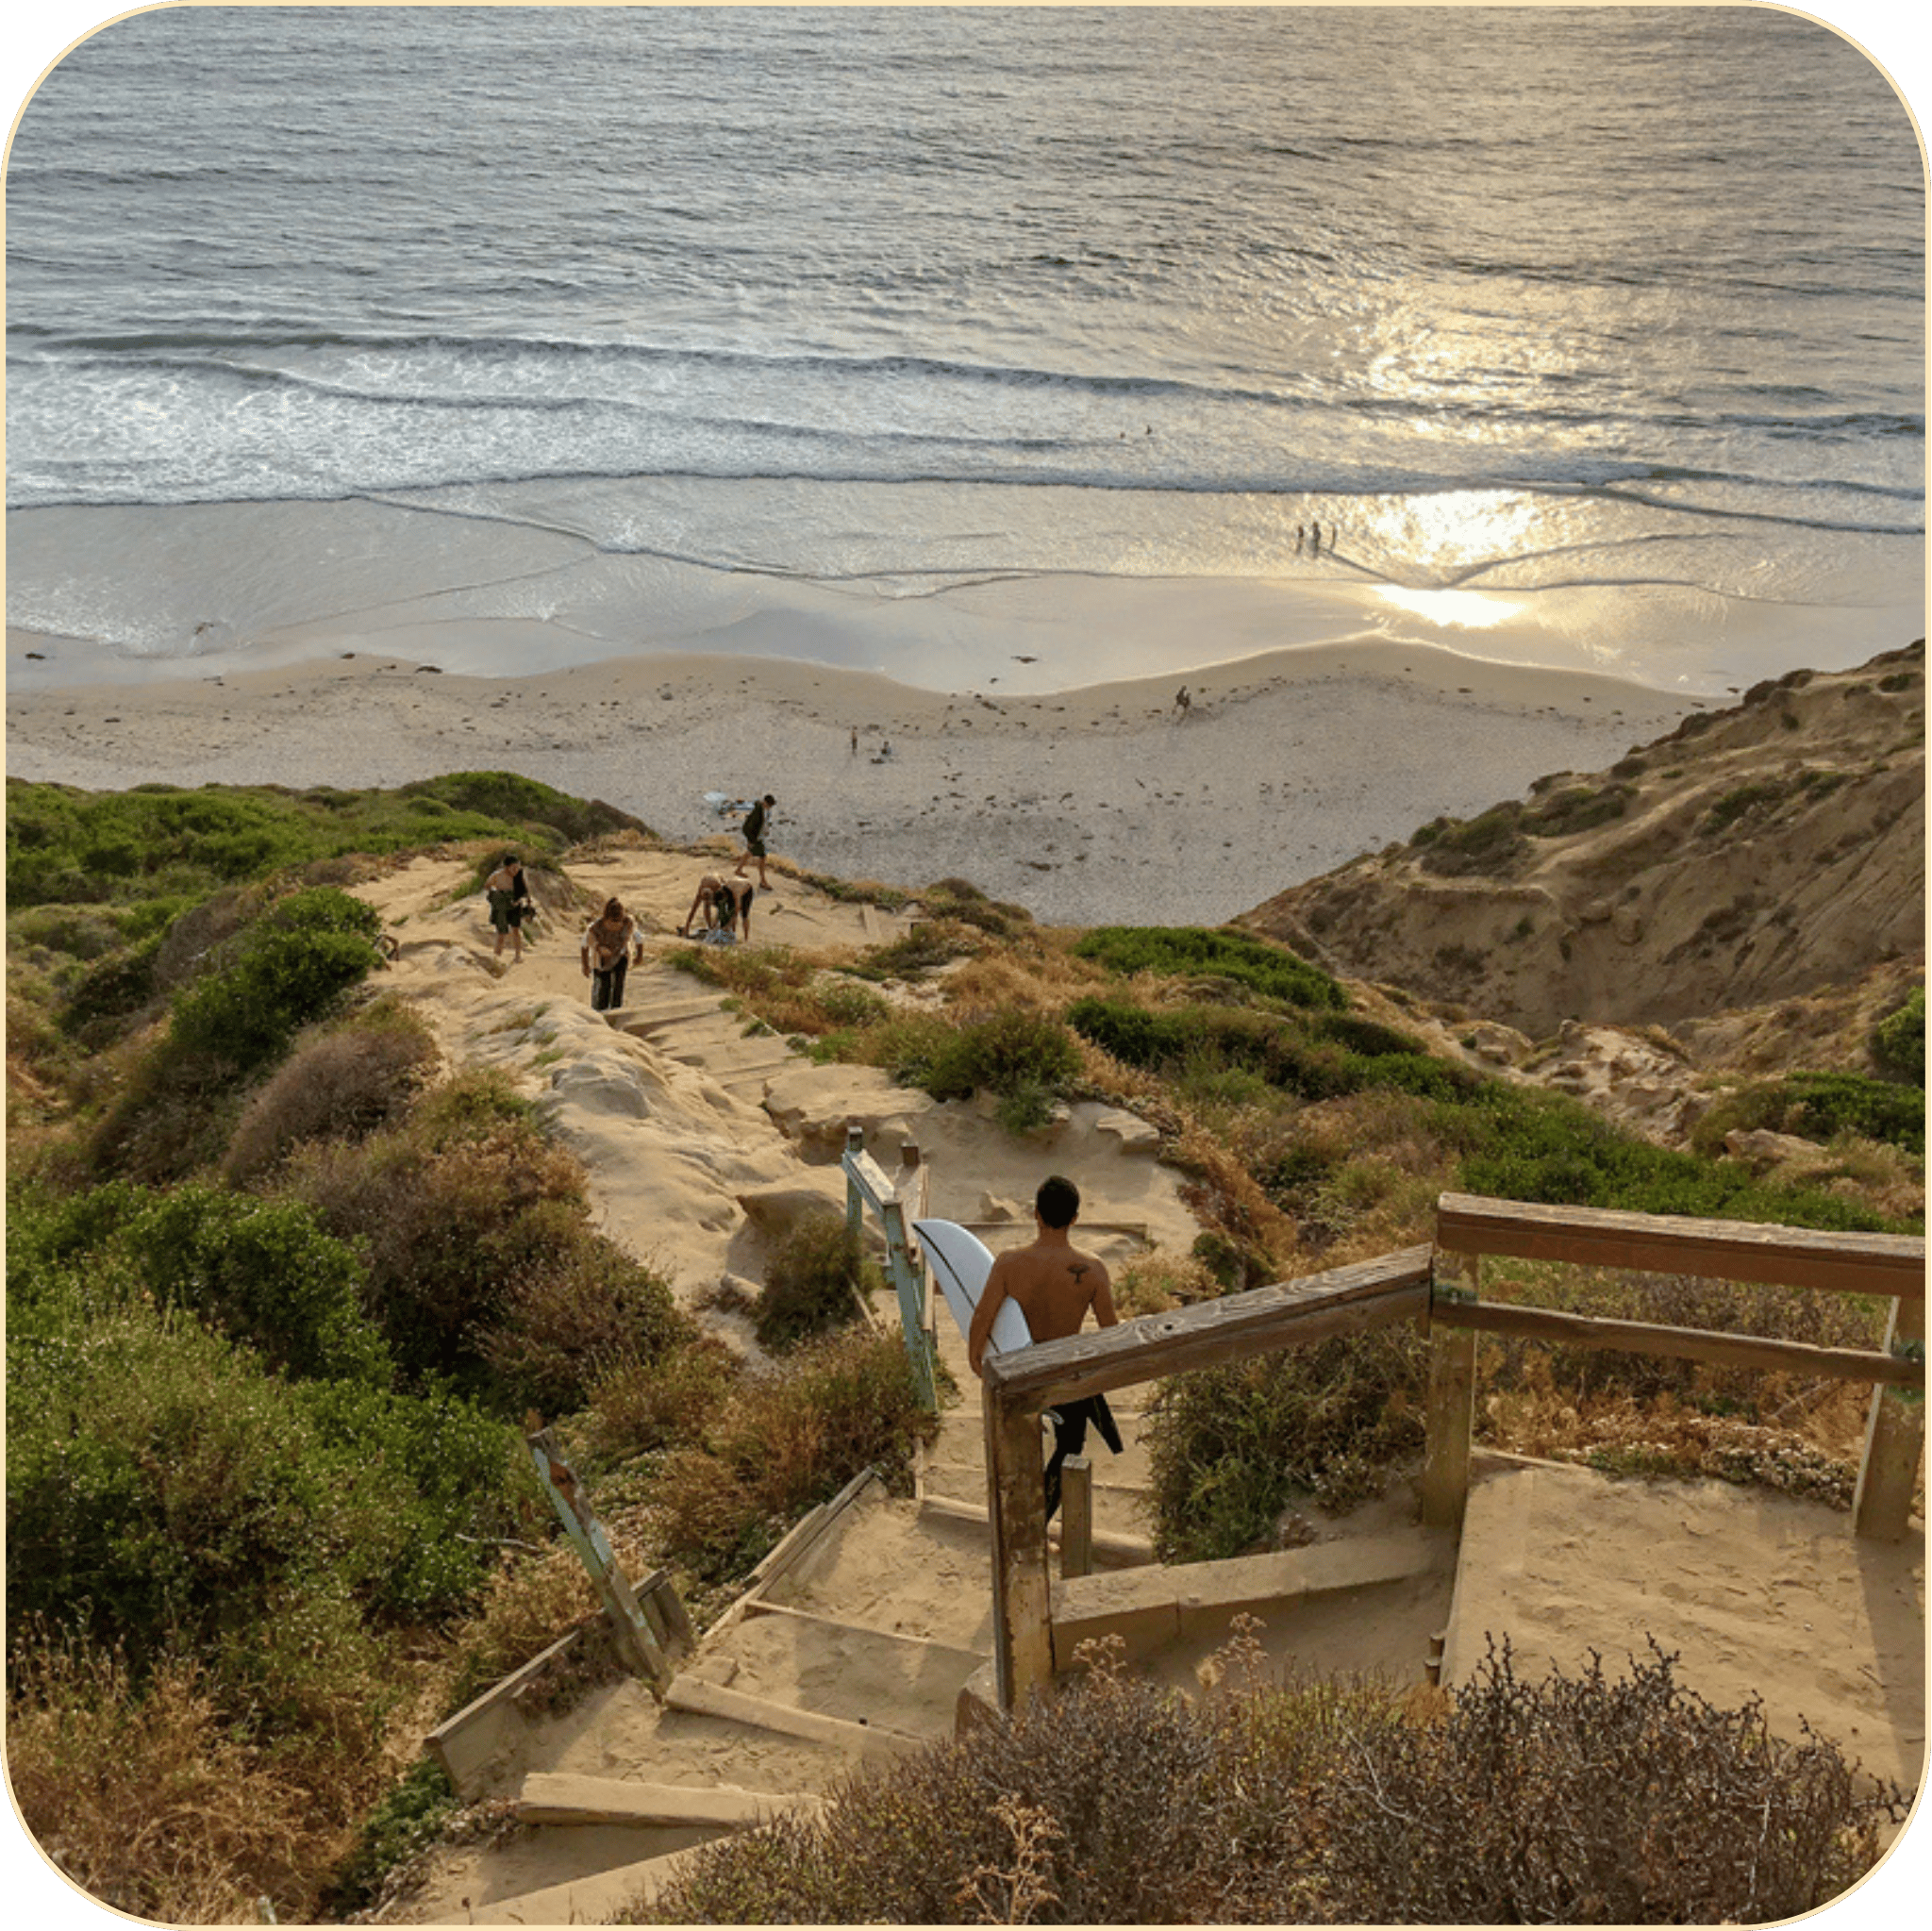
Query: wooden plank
1449, 1420
1394, 1287
1673, 1243
931, 1644
1894, 1438
558, 1798
1077, 1516
1022, 1603
593, 1900
805, 1535
636, 1641
468, 1745
701, 1699
1690, 1343
1111, 1551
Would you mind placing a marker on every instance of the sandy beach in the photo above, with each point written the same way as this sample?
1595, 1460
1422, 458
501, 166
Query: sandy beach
1106, 804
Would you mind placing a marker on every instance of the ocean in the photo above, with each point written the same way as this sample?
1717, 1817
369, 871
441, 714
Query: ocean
622, 326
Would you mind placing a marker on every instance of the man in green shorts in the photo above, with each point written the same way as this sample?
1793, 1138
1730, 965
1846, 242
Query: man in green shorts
754, 829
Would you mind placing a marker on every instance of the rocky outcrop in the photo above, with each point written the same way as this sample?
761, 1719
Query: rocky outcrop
1754, 855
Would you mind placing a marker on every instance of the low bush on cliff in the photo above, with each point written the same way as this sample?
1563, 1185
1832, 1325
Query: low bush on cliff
1574, 1800
1175, 951
1820, 1106
1898, 1041
813, 1281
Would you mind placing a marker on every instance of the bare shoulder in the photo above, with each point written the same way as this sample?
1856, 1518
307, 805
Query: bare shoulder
1088, 1269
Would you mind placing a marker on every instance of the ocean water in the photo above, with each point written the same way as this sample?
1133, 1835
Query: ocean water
632, 321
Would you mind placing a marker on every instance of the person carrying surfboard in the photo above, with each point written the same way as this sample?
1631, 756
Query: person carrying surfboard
1055, 1285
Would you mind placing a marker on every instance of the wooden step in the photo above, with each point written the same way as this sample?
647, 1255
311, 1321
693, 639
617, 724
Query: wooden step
593, 1900
712, 1700
1111, 1551
553, 1797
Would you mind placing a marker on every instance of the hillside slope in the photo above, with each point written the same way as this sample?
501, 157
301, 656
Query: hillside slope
1753, 854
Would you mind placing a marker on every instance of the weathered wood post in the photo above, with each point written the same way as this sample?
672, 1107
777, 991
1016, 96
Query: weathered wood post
1450, 1420
1077, 1516
855, 1201
1894, 1435
866, 1185
1021, 1595
637, 1642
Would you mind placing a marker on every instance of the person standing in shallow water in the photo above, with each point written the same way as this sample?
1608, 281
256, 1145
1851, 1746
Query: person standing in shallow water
509, 898
754, 829
606, 954
1055, 1285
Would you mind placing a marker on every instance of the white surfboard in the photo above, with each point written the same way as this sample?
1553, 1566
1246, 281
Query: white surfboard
960, 1263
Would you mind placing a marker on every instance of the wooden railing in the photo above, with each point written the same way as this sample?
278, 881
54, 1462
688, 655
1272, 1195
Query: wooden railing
1439, 1286
1889, 1265
1020, 1386
897, 1203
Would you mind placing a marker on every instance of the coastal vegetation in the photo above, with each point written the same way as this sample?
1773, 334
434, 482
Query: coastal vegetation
1506, 1801
283, 1288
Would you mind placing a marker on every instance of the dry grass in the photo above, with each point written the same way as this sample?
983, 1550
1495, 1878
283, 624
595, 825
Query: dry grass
340, 1084
150, 1800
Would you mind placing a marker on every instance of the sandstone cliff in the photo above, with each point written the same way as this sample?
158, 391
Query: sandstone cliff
1755, 855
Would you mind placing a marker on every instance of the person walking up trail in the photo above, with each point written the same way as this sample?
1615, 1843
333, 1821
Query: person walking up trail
508, 895
608, 941
1055, 1283
754, 829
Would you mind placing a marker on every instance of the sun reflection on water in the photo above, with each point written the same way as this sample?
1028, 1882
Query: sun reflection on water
1464, 609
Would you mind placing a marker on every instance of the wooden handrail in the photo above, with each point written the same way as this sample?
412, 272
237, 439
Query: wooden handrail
1371, 1293
1889, 1264
1685, 1343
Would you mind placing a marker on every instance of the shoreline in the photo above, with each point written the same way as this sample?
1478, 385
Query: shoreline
1104, 805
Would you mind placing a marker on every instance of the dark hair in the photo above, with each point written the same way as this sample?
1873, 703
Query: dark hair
1057, 1201
769, 799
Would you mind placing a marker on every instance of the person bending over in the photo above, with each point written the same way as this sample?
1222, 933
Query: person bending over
724, 902
608, 941
1055, 1283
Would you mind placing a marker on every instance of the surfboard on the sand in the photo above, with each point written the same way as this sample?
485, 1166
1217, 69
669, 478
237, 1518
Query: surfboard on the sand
960, 1263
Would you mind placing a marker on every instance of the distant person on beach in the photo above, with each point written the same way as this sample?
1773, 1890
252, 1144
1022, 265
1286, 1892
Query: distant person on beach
855, 741
507, 896
1055, 1285
606, 952
1183, 701
754, 829
725, 902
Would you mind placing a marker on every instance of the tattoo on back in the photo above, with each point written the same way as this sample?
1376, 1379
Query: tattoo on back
1078, 1271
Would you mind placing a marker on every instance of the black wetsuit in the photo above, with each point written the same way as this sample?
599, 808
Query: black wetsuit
1070, 1421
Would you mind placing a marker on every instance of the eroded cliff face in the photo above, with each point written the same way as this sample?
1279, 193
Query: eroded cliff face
1755, 855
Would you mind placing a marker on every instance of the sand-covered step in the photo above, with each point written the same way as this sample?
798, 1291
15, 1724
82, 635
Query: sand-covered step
592, 1899
553, 1798
891, 1567
1111, 1548
648, 1020
868, 1678
752, 1712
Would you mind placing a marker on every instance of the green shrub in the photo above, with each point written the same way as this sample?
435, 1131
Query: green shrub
291, 966
263, 1272
1740, 800
1898, 1041
1487, 844
1175, 951
785, 1440
405, 1822
1230, 1449
505, 797
1820, 1106
813, 1282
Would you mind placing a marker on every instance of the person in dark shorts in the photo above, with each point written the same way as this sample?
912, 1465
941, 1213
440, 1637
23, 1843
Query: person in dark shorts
754, 829
725, 902
1055, 1285
609, 942
509, 898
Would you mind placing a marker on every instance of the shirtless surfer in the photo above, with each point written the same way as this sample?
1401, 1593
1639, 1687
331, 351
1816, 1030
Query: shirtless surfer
1055, 1283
